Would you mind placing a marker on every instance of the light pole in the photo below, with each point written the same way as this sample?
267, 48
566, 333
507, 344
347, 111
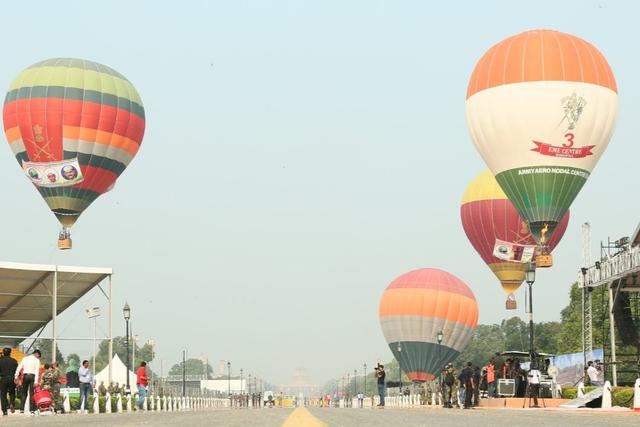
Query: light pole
530, 278
241, 387
229, 379
355, 381
134, 338
364, 367
439, 338
152, 343
184, 372
126, 311
93, 313
399, 370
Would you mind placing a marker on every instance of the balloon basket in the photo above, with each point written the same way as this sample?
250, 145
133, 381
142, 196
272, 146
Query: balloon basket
544, 261
64, 244
511, 304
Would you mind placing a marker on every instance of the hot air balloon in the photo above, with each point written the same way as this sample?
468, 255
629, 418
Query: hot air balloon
490, 221
541, 108
74, 126
414, 308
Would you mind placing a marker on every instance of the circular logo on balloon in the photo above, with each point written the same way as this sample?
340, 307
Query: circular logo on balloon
33, 174
69, 172
503, 249
51, 175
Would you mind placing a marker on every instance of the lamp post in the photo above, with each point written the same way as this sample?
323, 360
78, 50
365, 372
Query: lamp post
355, 381
249, 384
439, 337
184, 373
241, 387
126, 311
399, 370
152, 343
364, 367
530, 278
229, 379
93, 313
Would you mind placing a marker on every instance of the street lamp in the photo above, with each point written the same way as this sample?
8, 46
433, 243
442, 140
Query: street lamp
584, 322
399, 370
241, 387
530, 278
249, 384
93, 313
439, 337
152, 343
229, 379
364, 367
126, 311
355, 381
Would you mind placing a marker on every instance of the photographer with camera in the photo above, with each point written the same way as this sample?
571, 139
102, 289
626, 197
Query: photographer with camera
380, 376
534, 384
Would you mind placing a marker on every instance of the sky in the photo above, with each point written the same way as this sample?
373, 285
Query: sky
298, 157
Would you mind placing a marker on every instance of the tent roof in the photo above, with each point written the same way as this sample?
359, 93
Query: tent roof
26, 293
118, 374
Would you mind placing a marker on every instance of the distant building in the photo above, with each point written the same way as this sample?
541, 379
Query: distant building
301, 385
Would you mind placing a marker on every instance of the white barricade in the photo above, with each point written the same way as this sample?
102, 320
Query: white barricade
66, 404
580, 389
96, 403
119, 403
606, 395
128, 397
107, 403
636, 396
158, 407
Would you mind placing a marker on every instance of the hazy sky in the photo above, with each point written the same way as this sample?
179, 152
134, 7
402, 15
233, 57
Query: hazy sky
298, 157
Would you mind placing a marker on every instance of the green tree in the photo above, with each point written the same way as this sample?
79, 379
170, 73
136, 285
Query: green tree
46, 347
192, 367
143, 353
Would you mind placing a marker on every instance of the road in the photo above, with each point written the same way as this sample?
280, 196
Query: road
277, 417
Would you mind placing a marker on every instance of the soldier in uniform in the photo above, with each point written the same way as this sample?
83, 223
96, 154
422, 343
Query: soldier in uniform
56, 374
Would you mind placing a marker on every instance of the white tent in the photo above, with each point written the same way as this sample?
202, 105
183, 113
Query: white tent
118, 375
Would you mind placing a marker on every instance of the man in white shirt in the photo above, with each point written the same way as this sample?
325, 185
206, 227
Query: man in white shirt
86, 385
592, 372
30, 368
534, 384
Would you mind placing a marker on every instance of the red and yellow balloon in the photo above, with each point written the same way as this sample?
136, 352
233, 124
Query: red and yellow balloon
488, 215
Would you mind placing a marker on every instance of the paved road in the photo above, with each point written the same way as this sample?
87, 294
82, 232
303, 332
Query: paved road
342, 417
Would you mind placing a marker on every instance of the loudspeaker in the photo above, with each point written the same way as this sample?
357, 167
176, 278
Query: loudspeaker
506, 388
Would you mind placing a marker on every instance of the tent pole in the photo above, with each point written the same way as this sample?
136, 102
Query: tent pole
54, 311
110, 332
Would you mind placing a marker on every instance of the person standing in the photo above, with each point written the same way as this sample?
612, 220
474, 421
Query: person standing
469, 385
491, 380
498, 366
380, 376
534, 384
592, 372
8, 367
57, 397
477, 376
30, 367
141, 383
449, 380
86, 385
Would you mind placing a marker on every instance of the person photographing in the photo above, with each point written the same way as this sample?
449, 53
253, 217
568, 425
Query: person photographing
534, 384
380, 376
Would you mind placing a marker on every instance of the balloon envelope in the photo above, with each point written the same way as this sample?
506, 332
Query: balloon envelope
488, 215
74, 126
417, 305
541, 108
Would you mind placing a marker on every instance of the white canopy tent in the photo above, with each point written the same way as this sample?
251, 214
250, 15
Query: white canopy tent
118, 375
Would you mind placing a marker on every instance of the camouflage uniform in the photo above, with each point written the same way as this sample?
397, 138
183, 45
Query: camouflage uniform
51, 382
